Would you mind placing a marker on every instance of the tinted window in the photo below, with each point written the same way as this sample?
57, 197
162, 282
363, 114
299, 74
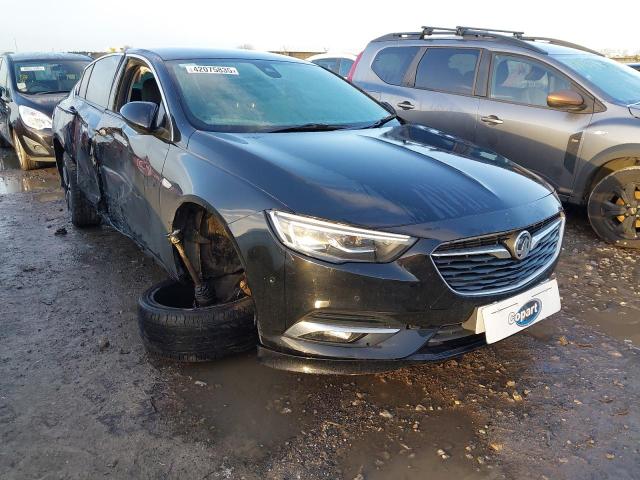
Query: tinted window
44, 76
448, 69
328, 63
345, 66
85, 80
392, 63
520, 80
101, 79
261, 95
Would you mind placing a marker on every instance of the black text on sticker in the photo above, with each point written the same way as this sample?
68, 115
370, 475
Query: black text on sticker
211, 69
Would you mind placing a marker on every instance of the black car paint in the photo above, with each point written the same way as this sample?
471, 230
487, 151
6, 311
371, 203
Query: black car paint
374, 178
45, 103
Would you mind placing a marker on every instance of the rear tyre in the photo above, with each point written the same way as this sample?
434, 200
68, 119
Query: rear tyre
82, 212
614, 208
172, 328
26, 162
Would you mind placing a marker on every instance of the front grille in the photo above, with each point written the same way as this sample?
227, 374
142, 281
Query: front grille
484, 266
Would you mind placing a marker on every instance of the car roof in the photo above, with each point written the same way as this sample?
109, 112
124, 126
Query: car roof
26, 56
320, 56
168, 54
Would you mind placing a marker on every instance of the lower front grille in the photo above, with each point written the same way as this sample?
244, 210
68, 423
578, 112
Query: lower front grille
487, 267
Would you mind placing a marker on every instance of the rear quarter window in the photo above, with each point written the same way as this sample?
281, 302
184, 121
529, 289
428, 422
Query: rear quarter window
391, 64
450, 70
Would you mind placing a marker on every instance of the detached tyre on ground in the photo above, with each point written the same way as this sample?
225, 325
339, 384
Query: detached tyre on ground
172, 328
614, 208
82, 212
26, 162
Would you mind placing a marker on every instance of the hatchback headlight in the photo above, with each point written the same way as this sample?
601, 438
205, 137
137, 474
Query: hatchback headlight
337, 243
33, 118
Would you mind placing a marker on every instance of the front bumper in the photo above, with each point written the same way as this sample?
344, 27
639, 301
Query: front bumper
37, 143
408, 296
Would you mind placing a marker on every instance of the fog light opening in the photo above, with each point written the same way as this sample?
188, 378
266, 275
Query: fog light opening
334, 336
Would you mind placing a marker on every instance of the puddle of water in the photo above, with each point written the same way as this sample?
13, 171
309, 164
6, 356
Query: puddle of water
380, 455
623, 324
249, 407
8, 159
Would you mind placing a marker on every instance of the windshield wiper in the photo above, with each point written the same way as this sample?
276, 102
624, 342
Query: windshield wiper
382, 121
309, 127
50, 91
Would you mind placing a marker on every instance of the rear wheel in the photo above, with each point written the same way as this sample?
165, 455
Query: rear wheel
26, 162
82, 212
614, 208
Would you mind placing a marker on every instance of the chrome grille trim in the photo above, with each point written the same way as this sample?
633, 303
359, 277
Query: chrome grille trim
475, 271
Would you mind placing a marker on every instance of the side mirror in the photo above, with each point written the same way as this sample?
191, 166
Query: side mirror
140, 114
566, 100
3, 92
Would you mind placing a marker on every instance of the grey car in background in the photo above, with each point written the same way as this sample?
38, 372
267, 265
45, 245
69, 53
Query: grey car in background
561, 110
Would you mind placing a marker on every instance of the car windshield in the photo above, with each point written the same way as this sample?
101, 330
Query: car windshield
241, 95
44, 76
616, 80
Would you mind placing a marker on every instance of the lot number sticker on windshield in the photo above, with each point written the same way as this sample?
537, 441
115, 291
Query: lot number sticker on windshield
211, 69
39, 68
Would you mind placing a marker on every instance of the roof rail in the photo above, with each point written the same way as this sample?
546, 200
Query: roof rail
562, 43
512, 37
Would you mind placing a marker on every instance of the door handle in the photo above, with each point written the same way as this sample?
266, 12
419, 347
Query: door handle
73, 110
492, 120
102, 132
406, 105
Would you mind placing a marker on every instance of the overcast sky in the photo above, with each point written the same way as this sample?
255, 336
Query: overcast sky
299, 25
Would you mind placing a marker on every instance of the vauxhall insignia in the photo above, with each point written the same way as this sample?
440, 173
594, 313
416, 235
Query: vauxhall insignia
522, 245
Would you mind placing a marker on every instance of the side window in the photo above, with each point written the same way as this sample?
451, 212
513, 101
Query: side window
138, 84
448, 69
520, 80
101, 79
328, 63
392, 63
345, 66
82, 88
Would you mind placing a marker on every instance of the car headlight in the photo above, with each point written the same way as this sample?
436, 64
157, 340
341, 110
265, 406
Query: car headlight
33, 118
337, 243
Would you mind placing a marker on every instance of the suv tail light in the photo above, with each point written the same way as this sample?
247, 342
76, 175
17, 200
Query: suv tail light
352, 70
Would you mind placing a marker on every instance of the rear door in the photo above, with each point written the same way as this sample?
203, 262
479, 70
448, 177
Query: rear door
96, 91
390, 68
131, 160
515, 121
443, 84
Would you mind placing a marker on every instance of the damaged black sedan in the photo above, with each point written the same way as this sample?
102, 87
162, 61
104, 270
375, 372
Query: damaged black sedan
283, 200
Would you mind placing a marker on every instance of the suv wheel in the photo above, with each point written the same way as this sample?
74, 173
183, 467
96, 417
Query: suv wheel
26, 163
83, 214
614, 208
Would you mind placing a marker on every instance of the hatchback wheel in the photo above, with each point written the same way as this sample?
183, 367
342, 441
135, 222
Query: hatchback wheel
26, 162
172, 327
82, 212
614, 208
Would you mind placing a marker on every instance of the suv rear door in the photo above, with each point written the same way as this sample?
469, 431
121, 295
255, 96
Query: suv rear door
515, 121
443, 84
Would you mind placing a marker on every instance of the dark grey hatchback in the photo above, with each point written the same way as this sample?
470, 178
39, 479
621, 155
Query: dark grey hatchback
359, 242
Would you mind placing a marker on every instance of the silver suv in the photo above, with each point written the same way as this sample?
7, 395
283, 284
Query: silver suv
561, 110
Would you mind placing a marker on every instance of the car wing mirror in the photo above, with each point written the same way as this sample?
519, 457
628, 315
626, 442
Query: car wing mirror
566, 100
140, 114
3, 93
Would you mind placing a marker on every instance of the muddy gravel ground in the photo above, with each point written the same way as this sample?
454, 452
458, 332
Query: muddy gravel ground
80, 398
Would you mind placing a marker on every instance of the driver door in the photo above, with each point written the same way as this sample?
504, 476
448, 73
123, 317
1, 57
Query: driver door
515, 121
